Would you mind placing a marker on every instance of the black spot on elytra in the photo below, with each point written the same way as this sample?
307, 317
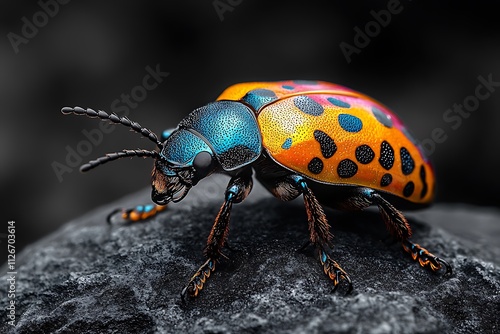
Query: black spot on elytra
408, 189
407, 163
425, 188
326, 144
347, 168
386, 180
315, 166
386, 159
364, 154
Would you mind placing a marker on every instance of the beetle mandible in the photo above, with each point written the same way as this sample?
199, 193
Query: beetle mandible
334, 146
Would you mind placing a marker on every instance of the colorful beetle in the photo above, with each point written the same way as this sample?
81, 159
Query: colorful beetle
328, 143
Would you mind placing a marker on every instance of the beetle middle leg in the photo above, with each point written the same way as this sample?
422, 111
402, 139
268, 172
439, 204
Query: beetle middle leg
399, 228
319, 228
237, 190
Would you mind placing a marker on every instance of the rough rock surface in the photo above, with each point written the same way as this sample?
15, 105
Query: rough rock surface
92, 278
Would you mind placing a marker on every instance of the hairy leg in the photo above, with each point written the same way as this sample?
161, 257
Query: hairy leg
237, 190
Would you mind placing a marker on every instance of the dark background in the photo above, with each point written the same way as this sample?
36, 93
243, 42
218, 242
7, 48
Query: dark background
425, 60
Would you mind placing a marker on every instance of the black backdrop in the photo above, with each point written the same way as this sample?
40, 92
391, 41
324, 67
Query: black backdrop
420, 58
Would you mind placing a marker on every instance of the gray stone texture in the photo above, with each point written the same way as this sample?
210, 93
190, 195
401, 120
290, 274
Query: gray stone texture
89, 277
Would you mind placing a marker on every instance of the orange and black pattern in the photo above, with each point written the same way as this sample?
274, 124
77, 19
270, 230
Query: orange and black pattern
334, 135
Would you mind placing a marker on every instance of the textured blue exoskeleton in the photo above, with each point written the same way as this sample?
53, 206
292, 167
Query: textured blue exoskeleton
227, 130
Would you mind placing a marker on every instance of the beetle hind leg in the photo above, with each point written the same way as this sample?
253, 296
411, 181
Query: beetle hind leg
425, 258
138, 213
332, 269
399, 228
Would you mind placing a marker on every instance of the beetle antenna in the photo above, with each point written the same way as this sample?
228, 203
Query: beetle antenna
114, 118
117, 155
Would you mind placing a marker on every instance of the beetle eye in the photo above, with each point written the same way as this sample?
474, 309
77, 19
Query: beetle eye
202, 164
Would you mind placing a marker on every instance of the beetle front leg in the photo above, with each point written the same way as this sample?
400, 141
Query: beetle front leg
237, 190
319, 229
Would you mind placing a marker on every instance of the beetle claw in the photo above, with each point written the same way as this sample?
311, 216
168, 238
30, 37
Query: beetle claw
334, 271
425, 258
196, 283
111, 218
449, 270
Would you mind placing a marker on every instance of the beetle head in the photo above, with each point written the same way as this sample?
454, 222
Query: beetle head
184, 160
170, 185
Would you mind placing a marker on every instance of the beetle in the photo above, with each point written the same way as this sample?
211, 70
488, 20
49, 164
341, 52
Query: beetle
334, 146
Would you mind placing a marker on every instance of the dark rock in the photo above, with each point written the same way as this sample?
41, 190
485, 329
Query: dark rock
92, 278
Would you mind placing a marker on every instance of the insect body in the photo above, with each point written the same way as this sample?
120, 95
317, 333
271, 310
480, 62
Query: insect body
332, 145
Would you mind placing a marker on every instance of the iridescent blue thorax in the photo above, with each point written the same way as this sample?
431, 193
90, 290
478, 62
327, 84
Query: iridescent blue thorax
227, 130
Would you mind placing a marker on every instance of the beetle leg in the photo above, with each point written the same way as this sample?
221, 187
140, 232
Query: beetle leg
139, 213
398, 226
425, 258
237, 190
319, 233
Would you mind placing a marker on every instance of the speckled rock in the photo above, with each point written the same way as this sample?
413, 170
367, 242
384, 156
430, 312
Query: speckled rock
89, 277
